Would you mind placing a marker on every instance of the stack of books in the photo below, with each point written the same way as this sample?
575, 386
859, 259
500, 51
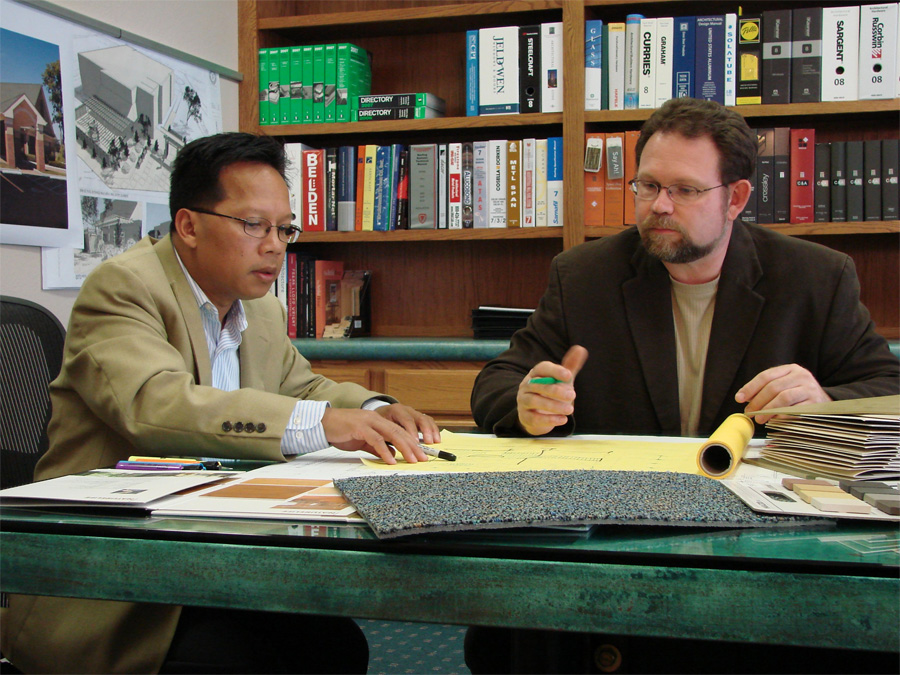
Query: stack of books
417, 106
853, 439
496, 323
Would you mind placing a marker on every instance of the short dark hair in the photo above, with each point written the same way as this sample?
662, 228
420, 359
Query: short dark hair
195, 173
696, 118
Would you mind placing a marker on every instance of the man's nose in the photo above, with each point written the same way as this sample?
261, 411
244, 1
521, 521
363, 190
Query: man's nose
663, 202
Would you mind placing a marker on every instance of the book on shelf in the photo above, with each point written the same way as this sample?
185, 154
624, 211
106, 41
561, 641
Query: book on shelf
423, 186
369, 177
346, 188
822, 188
443, 186
803, 166
632, 59
331, 177
806, 55
274, 86
382, 188
284, 85
360, 186
555, 181
614, 64
479, 184
730, 86
594, 181
683, 56
527, 182
878, 51
840, 53
890, 170
614, 177
497, 166
647, 70
296, 85
407, 100
354, 78
552, 67
396, 149
593, 64
471, 73
318, 100
454, 185
263, 56
749, 60
290, 291
490, 322
709, 61
631, 139
330, 82
540, 182
530, 69
665, 40
468, 187
776, 56
781, 172
404, 113
313, 191
306, 92
513, 183
838, 166
498, 66
294, 178
765, 176
872, 177
402, 221
855, 181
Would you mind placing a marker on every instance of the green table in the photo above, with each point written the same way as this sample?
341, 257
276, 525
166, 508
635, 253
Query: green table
821, 587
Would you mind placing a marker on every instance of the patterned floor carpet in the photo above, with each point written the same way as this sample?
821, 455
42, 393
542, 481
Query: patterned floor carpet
402, 647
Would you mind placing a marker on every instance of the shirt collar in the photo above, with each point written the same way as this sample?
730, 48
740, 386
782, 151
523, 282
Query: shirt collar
206, 305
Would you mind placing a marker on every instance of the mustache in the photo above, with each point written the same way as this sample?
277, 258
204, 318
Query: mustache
662, 222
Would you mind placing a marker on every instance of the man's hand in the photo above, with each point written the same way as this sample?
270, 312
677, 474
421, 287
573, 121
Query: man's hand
542, 407
780, 387
370, 430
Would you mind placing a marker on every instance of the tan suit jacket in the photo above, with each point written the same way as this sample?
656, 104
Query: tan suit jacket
136, 379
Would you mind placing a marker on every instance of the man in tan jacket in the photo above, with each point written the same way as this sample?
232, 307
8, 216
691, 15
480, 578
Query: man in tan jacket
176, 348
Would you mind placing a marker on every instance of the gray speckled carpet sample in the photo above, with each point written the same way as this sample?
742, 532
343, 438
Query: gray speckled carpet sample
396, 505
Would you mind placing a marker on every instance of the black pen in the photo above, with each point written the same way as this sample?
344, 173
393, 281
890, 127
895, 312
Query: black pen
440, 454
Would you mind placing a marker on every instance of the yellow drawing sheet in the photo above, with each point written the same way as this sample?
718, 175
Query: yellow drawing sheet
485, 453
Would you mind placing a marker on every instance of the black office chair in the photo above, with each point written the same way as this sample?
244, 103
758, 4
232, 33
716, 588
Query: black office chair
31, 351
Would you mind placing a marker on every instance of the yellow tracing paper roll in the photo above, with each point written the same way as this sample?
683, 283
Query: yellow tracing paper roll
721, 454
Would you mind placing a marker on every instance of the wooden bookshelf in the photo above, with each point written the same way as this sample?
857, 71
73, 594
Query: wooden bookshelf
426, 283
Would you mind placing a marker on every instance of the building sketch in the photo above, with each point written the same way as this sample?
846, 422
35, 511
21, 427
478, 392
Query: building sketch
111, 226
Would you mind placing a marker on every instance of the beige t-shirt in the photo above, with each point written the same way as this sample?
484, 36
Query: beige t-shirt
692, 307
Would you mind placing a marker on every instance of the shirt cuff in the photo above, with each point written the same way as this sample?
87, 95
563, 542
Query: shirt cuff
374, 403
304, 432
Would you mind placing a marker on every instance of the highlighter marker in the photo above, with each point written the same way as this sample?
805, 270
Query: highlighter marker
544, 380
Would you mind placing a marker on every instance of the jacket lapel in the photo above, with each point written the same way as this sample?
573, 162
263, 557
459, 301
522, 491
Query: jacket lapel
738, 308
648, 308
190, 313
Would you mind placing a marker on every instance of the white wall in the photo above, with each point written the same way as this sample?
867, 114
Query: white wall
203, 28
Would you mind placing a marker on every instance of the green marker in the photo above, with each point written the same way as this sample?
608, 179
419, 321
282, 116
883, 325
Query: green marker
545, 380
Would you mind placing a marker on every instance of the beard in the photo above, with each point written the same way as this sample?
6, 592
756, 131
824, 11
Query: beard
684, 250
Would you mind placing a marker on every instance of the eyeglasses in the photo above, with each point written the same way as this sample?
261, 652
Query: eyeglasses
258, 228
680, 194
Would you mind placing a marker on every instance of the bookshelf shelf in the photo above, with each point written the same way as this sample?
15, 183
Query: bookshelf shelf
433, 235
394, 126
427, 281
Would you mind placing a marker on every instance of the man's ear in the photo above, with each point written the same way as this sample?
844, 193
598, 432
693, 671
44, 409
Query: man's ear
186, 227
740, 195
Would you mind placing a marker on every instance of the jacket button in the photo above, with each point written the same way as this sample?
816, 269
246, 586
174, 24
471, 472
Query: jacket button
226, 426
239, 427
260, 427
249, 427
